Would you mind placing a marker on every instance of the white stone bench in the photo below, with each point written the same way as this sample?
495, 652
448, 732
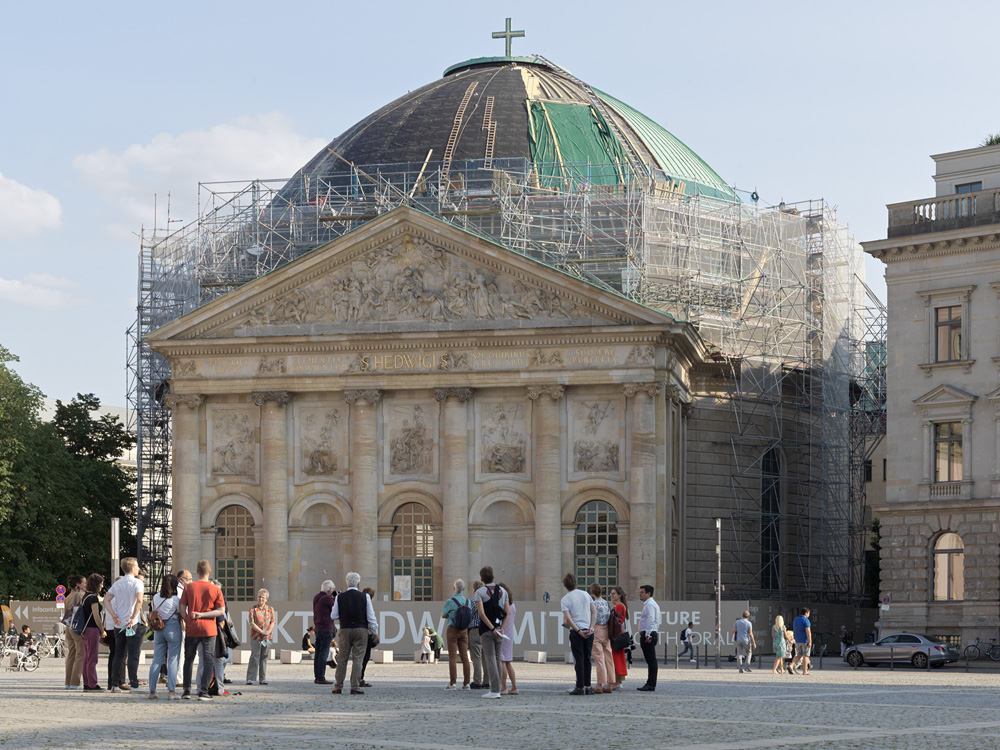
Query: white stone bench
535, 657
289, 656
380, 656
241, 656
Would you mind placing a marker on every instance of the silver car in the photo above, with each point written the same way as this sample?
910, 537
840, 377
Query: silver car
903, 648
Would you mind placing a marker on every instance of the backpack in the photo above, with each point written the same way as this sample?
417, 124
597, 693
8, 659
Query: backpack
463, 615
849, 638
493, 610
680, 636
80, 619
155, 621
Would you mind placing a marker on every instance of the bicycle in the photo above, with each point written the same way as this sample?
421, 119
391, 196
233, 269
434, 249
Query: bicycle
27, 661
974, 651
50, 644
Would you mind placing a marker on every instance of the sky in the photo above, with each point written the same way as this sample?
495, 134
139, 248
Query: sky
107, 109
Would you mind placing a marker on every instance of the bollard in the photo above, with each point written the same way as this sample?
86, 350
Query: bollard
891, 657
677, 658
966, 662
857, 663
928, 658
697, 661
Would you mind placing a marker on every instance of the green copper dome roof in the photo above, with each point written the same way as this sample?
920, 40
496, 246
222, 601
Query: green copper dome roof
519, 108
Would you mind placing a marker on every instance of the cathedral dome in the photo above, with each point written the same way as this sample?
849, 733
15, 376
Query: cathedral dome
495, 109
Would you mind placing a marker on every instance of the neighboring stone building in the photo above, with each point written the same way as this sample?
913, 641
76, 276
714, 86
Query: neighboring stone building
940, 522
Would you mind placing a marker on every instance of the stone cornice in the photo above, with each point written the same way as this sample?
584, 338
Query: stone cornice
936, 244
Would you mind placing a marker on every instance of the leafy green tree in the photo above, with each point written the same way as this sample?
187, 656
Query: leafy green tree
19, 404
68, 486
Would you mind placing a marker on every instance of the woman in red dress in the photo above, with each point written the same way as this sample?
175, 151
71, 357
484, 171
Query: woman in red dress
617, 625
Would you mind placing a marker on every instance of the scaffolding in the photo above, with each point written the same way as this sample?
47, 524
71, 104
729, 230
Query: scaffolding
776, 291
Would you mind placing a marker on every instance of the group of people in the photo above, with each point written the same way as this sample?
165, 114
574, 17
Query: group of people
184, 612
795, 643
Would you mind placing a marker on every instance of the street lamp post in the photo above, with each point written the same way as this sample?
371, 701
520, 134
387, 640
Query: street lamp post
115, 551
718, 593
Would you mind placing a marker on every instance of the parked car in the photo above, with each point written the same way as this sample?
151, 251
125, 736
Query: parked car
903, 648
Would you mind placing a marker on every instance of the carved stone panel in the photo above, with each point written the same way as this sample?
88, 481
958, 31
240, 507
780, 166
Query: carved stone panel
597, 436
233, 444
321, 442
414, 285
410, 445
502, 444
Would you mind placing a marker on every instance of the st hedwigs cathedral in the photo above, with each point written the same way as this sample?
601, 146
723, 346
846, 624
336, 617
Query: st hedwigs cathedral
504, 320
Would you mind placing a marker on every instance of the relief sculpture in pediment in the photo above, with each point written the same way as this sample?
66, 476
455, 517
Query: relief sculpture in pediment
412, 280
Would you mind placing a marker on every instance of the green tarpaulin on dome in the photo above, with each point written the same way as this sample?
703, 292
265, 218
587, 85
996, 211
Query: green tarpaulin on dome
567, 142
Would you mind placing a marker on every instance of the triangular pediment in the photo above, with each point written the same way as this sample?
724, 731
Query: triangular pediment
945, 395
407, 271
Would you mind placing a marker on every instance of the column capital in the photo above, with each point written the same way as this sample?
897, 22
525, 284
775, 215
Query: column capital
281, 398
372, 396
686, 409
554, 391
672, 392
462, 394
650, 389
191, 400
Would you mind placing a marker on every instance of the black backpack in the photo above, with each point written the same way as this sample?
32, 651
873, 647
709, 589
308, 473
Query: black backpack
463, 615
680, 636
493, 610
81, 619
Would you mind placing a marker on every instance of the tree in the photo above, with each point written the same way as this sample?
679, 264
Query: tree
19, 404
68, 486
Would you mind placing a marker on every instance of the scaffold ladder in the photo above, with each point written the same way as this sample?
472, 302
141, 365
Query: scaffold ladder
449, 150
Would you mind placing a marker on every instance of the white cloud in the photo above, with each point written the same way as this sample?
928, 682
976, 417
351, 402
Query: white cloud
37, 290
247, 148
26, 211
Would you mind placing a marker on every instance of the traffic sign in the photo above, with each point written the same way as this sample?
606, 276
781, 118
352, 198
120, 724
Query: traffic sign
60, 598
887, 599
61, 590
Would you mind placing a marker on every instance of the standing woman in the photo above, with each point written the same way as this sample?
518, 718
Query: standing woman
371, 642
779, 643
600, 654
261, 619
507, 649
618, 624
93, 632
77, 586
167, 640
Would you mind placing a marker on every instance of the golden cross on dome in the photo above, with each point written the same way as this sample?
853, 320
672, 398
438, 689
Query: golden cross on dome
507, 35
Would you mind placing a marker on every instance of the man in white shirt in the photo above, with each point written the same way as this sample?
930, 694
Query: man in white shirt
580, 616
743, 630
649, 635
686, 640
124, 600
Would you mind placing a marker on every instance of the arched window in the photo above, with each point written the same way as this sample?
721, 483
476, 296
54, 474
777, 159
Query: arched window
596, 545
235, 553
413, 549
770, 517
949, 568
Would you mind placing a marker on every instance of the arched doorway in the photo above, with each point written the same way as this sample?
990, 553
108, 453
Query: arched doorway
413, 549
596, 544
235, 553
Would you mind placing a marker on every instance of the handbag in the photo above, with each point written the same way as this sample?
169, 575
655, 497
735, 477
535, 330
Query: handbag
621, 642
230, 637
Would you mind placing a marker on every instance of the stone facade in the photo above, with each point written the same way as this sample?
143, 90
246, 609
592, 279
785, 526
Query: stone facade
940, 559
410, 376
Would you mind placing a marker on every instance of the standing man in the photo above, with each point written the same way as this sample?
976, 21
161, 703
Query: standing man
184, 577
357, 618
494, 611
580, 616
802, 629
743, 630
476, 644
649, 635
201, 603
459, 615
124, 600
686, 640
325, 630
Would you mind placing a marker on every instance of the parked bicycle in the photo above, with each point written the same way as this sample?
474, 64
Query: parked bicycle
16, 660
975, 650
50, 644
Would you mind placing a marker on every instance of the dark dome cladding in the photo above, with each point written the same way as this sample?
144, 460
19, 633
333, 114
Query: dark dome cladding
535, 113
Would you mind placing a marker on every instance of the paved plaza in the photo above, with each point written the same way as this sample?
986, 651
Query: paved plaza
706, 709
